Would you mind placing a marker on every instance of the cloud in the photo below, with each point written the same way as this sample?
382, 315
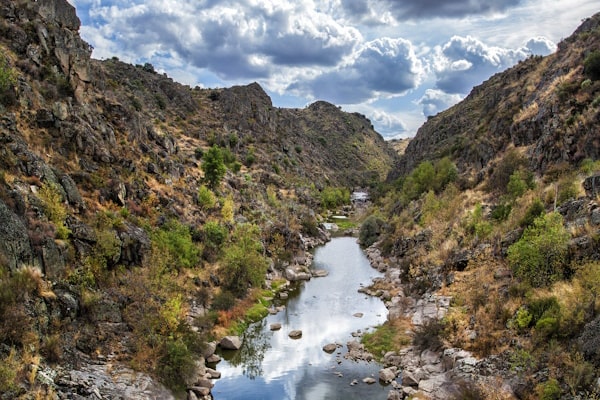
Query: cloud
383, 66
425, 9
464, 62
237, 40
540, 46
434, 101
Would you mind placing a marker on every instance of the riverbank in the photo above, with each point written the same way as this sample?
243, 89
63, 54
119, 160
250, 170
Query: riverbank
429, 368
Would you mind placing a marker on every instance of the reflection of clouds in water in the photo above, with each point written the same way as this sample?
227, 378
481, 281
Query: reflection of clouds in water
299, 369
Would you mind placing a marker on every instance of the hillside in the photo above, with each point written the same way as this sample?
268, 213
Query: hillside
488, 233
140, 218
541, 106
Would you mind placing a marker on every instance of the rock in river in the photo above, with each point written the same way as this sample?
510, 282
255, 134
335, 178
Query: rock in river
231, 343
329, 348
295, 334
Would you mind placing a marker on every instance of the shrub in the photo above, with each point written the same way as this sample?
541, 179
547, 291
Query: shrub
177, 365
54, 208
243, 261
549, 390
370, 230
501, 174
174, 240
535, 210
206, 198
429, 335
591, 65
540, 256
332, 198
223, 301
518, 183
8, 79
501, 212
213, 166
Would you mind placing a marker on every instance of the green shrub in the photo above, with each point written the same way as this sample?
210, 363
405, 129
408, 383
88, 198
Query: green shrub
370, 230
177, 366
540, 256
535, 210
501, 174
206, 198
54, 208
501, 212
174, 240
478, 226
213, 166
224, 301
332, 198
243, 261
591, 65
518, 183
549, 390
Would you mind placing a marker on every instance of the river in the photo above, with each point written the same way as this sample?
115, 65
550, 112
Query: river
271, 365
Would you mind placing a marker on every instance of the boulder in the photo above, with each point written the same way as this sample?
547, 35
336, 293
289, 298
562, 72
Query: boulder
231, 343
214, 374
295, 334
329, 348
387, 375
14, 240
213, 359
209, 349
369, 380
275, 326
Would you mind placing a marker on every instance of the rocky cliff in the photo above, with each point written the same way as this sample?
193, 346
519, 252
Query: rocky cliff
114, 247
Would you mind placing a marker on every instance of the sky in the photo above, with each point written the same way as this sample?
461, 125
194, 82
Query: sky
395, 61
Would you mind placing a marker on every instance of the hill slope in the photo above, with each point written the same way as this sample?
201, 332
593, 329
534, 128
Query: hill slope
489, 237
139, 216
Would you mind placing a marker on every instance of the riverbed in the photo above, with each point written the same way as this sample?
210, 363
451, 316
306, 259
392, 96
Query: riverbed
271, 365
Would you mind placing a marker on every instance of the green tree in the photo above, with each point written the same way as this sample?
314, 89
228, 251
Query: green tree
540, 256
213, 166
243, 260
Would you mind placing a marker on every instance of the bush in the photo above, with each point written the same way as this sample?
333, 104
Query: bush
243, 261
429, 335
223, 301
177, 365
54, 208
535, 210
206, 198
549, 390
213, 166
540, 256
8, 79
591, 65
370, 230
332, 198
501, 174
174, 240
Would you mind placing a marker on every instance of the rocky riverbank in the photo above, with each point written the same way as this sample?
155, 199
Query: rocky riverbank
430, 369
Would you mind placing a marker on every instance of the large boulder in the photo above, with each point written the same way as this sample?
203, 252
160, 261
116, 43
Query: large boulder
231, 343
15, 247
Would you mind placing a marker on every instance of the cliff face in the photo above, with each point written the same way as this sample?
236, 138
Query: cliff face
541, 105
102, 182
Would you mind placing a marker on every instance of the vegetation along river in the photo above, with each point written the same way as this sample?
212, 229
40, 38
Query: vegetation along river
271, 365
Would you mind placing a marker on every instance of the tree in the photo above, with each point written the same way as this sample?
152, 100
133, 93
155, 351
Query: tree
213, 166
243, 260
540, 256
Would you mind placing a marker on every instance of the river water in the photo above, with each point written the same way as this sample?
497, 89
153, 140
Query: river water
271, 365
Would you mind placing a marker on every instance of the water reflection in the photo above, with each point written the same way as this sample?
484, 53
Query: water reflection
272, 365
